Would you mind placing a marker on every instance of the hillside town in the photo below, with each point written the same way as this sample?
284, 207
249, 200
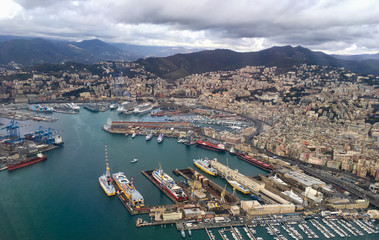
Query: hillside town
320, 115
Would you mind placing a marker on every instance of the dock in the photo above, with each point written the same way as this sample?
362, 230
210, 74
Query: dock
125, 201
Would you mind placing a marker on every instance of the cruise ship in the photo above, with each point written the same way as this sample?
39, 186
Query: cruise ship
105, 180
169, 184
238, 186
129, 190
160, 138
205, 166
143, 108
210, 146
126, 107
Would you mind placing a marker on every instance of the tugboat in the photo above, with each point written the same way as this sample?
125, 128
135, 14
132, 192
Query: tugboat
105, 180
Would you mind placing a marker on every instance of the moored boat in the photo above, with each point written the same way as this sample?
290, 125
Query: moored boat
210, 146
160, 138
105, 180
205, 166
169, 184
128, 189
255, 162
40, 157
149, 136
58, 140
238, 186
143, 108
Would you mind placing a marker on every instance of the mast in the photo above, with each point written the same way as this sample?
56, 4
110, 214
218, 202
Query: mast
107, 173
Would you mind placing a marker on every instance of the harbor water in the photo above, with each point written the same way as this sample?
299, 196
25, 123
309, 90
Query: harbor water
61, 198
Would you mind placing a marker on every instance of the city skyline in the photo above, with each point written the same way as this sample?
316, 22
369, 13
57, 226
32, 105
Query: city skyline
347, 27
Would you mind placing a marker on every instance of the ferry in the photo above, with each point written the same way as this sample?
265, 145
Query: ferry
129, 190
40, 157
169, 184
205, 166
160, 138
210, 146
105, 180
149, 136
238, 186
143, 108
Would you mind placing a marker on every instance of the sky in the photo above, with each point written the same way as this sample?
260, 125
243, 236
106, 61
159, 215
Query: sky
334, 26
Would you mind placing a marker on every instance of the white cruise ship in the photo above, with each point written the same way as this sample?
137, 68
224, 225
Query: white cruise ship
143, 108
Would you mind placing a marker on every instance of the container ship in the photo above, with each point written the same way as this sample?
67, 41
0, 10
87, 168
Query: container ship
38, 158
205, 166
238, 186
255, 162
210, 146
129, 190
169, 184
105, 180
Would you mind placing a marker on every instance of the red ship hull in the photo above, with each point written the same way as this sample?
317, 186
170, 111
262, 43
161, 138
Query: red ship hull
209, 146
255, 162
26, 163
179, 199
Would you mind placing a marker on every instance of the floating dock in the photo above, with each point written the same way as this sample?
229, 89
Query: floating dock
125, 201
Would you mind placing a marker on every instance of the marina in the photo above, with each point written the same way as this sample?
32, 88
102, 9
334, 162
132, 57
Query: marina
60, 163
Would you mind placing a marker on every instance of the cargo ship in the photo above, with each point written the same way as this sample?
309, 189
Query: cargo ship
205, 166
210, 146
255, 162
128, 189
238, 186
158, 114
169, 184
105, 180
40, 157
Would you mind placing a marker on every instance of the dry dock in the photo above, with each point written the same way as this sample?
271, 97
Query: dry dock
132, 210
148, 175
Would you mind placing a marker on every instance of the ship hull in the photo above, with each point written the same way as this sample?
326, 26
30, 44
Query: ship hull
234, 185
204, 169
110, 191
177, 198
26, 163
209, 146
255, 162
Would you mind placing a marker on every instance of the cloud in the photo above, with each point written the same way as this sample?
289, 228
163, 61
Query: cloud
244, 25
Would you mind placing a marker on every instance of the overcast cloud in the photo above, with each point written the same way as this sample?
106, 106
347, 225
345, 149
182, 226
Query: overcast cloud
348, 27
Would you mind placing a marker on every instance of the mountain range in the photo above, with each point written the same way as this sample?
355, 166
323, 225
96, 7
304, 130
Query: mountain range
31, 51
285, 57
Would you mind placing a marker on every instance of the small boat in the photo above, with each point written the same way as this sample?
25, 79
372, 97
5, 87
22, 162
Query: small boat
126, 134
134, 160
189, 232
160, 138
113, 106
183, 233
134, 134
149, 136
